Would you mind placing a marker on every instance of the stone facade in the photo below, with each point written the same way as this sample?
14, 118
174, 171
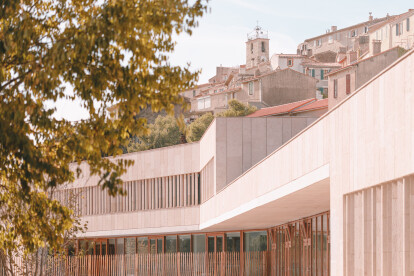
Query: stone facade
396, 31
345, 81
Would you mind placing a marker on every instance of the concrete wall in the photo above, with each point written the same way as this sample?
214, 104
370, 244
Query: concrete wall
242, 142
366, 70
287, 86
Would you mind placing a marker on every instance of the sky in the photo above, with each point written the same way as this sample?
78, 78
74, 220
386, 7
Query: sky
222, 32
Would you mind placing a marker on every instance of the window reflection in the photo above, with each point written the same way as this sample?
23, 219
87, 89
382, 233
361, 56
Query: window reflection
233, 242
199, 243
185, 243
255, 241
170, 244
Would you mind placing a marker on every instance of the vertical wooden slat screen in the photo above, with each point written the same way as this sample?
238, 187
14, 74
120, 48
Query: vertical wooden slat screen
207, 181
146, 194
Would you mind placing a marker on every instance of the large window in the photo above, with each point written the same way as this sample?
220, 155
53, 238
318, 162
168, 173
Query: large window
170, 244
204, 103
255, 241
185, 243
111, 247
233, 242
130, 246
142, 245
199, 243
120, 246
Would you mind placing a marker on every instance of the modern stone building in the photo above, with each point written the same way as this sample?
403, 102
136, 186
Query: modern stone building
326, 196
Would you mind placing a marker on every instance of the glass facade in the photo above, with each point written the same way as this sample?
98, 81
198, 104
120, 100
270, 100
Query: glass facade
130, 246
142, 245
199, 243
233, 242
294, 248
185, 243
120, 246
300, 247
170, 244
111, 247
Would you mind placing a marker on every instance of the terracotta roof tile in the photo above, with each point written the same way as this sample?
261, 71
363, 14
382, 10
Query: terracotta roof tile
319, 104
279, 109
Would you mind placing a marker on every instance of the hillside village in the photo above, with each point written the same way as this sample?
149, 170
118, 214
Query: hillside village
326, 68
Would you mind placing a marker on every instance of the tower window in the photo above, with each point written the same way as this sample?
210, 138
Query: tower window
263, 47
194, 93
251, 47
290, 62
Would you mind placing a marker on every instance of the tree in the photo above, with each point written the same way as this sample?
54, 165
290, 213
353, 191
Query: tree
99, 53
163, 133
237, 109
197, 128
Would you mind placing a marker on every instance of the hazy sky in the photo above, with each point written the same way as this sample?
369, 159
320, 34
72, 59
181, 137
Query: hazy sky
220, 38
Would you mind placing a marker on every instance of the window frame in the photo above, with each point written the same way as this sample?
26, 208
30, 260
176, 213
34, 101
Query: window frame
348, 84
251, 88
335, 90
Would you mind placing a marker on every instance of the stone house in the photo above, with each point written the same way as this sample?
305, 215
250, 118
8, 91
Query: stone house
396, 31
309, 66
346, 80
335, 40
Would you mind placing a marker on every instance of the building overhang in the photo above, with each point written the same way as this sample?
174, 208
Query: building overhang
302, 197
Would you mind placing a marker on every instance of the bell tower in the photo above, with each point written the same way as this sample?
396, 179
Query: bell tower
257, 47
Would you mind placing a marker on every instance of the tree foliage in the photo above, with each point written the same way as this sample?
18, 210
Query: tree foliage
197, 128
106, 52
163, 133
237, 109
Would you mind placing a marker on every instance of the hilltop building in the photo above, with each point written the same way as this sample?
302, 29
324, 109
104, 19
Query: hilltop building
344, 81
257, 82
